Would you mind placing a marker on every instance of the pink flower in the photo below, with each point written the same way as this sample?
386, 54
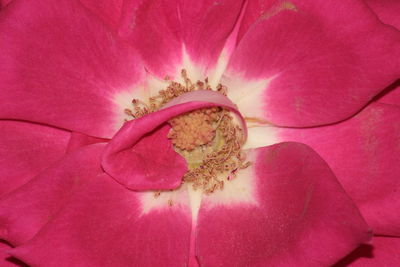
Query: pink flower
78, 184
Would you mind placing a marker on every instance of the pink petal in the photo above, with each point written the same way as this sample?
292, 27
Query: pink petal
27, 149
5, 259
153, 28
206, 26
319, 58
161, 30
108, 10
131, 155
383, 251
79, 140
387, 10
26, 210
363, 152
61, 66
105, 225
391, 95
300, 215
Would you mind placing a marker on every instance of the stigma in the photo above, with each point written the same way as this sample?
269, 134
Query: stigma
210, 139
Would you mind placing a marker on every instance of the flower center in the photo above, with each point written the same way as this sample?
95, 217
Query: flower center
209, 139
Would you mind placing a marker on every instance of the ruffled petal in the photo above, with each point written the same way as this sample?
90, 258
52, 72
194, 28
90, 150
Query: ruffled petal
79, 140
106, 225
5, 259
363, 152
62, 67
26, 149
387, 10
383, 251
309, 63
24, 211
292, 212
131, 155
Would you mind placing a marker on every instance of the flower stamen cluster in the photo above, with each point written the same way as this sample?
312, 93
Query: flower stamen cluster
209, 139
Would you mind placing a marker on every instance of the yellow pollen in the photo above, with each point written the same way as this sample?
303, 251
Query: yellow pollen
209, 139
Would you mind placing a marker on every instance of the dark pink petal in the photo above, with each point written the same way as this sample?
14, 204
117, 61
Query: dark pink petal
131, 156
61, 66
297, 214
318, 61
391, 95
363, 152
387, 10
153, 27
206, 26
5, 258
164, 30
24, 211
383, 251
79, 140
26, 149
106, 225
108, 10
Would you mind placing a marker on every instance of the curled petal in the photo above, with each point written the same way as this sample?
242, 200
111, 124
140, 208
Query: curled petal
292, 212
131, 156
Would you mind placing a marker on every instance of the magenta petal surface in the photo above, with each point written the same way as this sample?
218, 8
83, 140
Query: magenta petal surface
24, 211
153, 28
61, 66
383, 251
206, 26
133, 159
300, 215
387, 10
392, 96
363, 152
26, 149
105, 225
108, 10
319, 58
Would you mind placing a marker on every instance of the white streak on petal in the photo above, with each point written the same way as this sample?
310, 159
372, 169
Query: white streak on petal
240, 190
166, 200
248, 95
261, 136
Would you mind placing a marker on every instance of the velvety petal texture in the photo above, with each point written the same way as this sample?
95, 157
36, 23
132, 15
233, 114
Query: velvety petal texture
297, 214
104, 224
363, 152
27, 149
26, 210
317, 60
61, 66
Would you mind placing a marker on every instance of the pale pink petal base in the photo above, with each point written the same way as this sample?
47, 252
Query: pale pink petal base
103, 225
363, 152
300, 215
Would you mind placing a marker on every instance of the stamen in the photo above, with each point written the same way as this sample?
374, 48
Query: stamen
209, 139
